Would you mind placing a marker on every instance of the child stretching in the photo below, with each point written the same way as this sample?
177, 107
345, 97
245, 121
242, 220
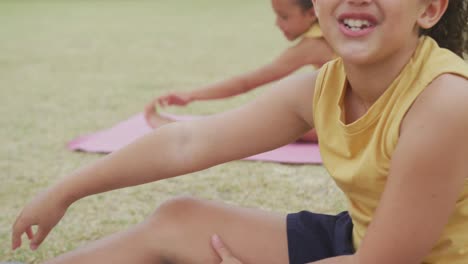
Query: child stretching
297, 20
391, 115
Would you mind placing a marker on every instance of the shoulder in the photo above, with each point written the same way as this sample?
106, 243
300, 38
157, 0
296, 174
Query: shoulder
313, 43
447, 91
297, 91
443, 101
297, 85
314, 50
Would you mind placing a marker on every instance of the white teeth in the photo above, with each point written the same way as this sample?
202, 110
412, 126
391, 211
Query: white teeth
356, 24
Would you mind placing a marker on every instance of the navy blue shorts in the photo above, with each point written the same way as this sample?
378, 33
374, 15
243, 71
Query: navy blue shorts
312, 237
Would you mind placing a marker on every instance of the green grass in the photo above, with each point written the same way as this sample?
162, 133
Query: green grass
71, 67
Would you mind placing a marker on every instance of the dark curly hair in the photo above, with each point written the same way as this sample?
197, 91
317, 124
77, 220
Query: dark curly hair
451, 32
304, 4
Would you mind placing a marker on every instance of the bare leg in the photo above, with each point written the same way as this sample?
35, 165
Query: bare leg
124, 247
310, 136
180, 231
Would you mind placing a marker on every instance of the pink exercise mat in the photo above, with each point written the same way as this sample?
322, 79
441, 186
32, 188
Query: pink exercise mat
118, 136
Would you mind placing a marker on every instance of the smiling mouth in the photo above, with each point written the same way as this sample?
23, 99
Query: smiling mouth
357, 24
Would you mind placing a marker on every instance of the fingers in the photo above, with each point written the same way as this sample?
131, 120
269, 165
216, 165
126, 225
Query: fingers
16, 238
19, 228
161, 101
29, 233
149, 110
39, 237
220, 248
164, 101
151, 105
170, 99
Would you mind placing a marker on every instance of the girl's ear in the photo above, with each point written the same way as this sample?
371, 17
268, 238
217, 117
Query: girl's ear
434, 10
311, 13
315, 8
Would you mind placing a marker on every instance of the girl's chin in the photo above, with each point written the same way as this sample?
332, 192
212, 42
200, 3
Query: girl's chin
357, 56
357, 61
290, 36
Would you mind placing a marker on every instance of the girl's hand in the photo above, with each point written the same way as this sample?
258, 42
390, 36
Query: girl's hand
179, 99
44, 211
223, 252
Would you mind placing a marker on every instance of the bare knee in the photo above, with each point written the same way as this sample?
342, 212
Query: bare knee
171, 217
177, 210
173, 224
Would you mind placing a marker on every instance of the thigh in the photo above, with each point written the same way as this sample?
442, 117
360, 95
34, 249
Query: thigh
186, 225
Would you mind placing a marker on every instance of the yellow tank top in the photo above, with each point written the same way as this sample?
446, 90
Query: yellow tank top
314, 32
358, 155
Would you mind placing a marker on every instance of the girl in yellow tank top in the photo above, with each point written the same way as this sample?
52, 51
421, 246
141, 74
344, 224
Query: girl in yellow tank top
297, 21
394, 134
392, 117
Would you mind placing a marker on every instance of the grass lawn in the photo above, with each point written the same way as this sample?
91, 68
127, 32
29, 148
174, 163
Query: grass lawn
71, 67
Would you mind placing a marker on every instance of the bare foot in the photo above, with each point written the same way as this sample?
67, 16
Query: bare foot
155, 120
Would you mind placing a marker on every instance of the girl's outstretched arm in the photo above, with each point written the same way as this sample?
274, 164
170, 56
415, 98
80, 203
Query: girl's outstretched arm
307, 52
177, 149
427, 174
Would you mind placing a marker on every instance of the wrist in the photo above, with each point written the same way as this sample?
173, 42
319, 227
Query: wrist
190, 96
63, 195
